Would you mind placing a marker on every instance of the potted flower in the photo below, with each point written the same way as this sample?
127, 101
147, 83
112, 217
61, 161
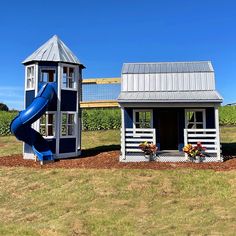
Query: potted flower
149, 150
195, 152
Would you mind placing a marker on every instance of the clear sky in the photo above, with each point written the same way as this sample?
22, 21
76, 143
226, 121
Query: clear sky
104, 34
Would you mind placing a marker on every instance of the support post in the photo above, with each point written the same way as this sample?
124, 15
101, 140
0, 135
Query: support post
122, 133
58, 114
217, 133
186, 141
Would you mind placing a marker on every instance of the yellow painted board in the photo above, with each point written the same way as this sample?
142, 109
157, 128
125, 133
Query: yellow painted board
97, 104
101, 81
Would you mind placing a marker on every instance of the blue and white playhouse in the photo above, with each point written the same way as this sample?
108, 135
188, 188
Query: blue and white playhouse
50, 125
168, 104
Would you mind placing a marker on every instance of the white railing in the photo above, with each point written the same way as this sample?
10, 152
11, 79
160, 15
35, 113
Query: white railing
131, 139
209, 139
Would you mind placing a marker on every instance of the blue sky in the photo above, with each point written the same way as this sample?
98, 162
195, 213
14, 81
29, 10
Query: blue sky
104, 34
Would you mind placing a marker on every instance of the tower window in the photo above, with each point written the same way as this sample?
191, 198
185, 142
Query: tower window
30, 77
47, 125
48, 75
68, 79
68, 124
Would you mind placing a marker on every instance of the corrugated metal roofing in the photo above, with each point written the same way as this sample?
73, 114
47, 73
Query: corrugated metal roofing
53, 50
165, 97
167, 67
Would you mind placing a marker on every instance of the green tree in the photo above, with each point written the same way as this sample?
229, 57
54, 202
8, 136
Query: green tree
3, 107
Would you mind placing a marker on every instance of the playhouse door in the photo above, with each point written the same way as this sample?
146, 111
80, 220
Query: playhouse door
168, 130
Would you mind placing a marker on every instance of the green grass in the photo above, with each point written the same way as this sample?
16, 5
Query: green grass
9, 145
100, 139
117, 202
109, 140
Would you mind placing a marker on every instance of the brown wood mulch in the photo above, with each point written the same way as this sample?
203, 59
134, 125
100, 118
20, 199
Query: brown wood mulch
109, 160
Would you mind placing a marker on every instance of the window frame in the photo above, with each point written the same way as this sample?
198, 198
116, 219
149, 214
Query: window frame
75, 124
32, 77
47, 68
203, 118
46, 124
142, 110
75, 76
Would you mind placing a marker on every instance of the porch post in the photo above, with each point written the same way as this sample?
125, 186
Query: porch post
123, 133
186, 141
217, 132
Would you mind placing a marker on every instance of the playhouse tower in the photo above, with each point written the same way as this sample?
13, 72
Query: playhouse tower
60, 125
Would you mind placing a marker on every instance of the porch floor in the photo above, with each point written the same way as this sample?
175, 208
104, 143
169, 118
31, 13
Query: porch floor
167, 156
170, 153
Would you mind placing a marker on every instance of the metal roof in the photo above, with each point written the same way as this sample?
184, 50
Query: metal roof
173, 96
167, 67
53, 50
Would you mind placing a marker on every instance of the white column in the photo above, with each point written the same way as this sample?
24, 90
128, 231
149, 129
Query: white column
217, 127
58, 113
123, 133
186, 141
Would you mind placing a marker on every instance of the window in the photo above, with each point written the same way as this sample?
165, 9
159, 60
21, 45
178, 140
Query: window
48, 75
68, 78
195, 119
142, 119
68, 124
30, 78
47, 125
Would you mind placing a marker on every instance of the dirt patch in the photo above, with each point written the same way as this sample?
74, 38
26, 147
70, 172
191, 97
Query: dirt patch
108, 160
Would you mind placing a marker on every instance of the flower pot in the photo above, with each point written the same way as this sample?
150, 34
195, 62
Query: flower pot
147, 156
198, 159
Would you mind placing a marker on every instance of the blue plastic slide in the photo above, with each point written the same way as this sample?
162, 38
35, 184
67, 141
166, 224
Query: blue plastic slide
21, 125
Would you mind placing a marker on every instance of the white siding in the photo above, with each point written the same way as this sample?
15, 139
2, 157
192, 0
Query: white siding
168, 81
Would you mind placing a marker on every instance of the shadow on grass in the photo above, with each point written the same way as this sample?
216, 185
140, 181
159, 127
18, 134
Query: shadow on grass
90, 152
228, 150
95, 151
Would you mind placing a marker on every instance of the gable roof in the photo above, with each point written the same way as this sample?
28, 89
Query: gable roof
53, 50
167, 67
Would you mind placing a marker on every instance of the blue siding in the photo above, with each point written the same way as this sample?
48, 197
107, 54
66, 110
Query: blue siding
52, 145
68, 100
210, 118
67, 145
128, 112
181, 123
29, 97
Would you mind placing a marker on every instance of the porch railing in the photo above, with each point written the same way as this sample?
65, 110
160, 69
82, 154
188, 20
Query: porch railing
131, 139
209, 138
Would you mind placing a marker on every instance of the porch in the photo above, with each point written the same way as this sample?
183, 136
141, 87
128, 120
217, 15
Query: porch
131, 138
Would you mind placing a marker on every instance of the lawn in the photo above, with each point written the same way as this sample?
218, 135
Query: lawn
117, 202
60, 202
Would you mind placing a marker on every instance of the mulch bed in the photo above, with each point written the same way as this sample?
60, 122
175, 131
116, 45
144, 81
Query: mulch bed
109, 160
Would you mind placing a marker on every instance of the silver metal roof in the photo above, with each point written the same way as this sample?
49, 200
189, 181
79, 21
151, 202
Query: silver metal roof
167, 67
173, 96
53, 50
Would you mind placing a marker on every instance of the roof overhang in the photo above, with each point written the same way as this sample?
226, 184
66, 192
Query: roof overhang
169, 97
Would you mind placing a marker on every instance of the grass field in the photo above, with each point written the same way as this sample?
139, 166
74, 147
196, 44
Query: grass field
116, 202
58, 202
